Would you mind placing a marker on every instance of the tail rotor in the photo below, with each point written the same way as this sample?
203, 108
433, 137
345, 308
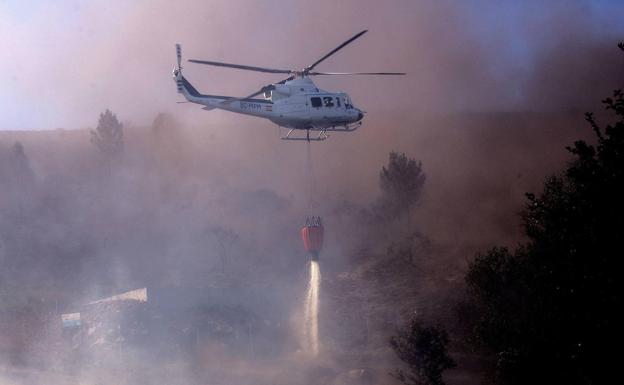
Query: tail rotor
178, 70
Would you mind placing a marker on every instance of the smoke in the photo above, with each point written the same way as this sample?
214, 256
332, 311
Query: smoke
83, 57
213, 201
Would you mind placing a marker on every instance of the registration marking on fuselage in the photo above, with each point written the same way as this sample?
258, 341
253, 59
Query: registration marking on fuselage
250, 106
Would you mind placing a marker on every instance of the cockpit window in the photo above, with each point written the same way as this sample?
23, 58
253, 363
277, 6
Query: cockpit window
328, 101
316, 102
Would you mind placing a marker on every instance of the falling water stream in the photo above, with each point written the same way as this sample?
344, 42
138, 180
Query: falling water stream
311, 310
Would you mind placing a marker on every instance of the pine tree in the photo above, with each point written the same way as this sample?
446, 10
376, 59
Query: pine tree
401, 184
108, 136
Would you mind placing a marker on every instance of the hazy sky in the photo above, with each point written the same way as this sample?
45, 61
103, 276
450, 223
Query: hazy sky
64, 62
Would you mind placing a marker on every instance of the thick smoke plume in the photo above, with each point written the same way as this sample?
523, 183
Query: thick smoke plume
208, 205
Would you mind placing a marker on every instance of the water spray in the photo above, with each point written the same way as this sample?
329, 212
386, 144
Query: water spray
312, 236
312, 309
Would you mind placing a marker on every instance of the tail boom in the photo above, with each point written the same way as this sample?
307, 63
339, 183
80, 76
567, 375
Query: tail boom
254, 107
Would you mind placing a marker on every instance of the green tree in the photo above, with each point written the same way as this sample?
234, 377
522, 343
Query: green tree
424, 351
547, 310
401, 183
108, 135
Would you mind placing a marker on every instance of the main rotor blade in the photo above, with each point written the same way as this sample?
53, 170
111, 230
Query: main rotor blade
241, 67
341, 46
285, 80
355, 73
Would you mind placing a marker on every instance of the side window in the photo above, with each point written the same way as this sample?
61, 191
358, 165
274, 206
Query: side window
338, 102
328, 101
316, 102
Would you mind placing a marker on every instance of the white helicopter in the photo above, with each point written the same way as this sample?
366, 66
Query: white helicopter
295, 102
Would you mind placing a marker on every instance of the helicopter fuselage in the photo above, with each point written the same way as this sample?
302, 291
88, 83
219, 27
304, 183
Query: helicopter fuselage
296, 104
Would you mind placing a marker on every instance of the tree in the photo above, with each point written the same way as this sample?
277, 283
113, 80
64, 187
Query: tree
17, 178
21, 164
401, 183
547, 310
226, 239
108, 136
170, 147
424, 350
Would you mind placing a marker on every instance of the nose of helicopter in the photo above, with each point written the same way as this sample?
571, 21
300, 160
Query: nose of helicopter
360, 115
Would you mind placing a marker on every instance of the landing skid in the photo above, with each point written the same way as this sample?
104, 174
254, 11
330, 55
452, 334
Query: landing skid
321, 136
322, 132
346, 128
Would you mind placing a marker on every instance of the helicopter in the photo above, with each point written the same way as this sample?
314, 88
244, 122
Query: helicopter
295, 103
